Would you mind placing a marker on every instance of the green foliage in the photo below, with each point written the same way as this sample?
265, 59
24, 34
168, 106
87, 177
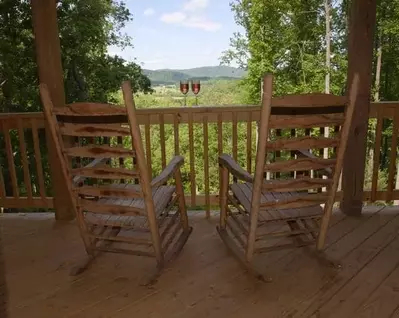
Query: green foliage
86, 30
286, 39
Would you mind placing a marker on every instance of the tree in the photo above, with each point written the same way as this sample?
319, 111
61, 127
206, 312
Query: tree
287, 39
87, 28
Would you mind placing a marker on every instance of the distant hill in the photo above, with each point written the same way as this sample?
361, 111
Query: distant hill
169, 76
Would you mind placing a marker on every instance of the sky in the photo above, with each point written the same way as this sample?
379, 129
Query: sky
178, 34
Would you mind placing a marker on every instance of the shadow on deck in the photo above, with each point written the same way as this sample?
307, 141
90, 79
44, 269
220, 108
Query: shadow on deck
205, 281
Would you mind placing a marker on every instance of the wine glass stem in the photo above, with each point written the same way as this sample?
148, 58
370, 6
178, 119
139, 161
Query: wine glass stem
196, 100
185, 100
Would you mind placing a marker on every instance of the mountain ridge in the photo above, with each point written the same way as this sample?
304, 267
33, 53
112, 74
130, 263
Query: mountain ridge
204, 73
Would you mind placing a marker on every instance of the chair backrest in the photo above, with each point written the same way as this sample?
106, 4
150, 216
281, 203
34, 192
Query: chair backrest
293, 149
97, 129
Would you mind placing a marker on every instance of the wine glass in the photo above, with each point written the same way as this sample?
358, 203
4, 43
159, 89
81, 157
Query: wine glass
196, 87
184, 88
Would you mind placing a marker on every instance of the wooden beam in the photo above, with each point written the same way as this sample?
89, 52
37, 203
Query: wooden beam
48, 56
360, 59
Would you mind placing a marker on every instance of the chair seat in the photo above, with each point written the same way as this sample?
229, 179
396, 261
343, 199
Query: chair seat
243, 193
161, 195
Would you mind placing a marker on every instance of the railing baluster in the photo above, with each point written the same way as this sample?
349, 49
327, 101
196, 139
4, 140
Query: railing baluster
38, 159
148, 145
278, 152
206, 167
192, 164
162, 137
220, 134
220, 143
292, 154
11, 163
234, 146
307, 173
24, 157
249, 142
376, 159
321, 151
176, 133
234, 139
392, 157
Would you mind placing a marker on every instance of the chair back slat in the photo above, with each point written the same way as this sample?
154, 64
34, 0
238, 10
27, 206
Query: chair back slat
104, 171
94, 130
89, 110
106, 191
305, 183
99, 151
101, 133
306, 121
312, 100
300, 164
295, 154
303, 142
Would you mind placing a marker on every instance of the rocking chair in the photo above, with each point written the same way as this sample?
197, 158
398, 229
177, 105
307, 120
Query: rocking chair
285, 197
118, 208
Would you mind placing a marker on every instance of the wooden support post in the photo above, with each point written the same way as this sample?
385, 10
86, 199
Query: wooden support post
48, 56
360, 58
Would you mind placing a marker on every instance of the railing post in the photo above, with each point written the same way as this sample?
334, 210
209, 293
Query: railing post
48, 56
360, 58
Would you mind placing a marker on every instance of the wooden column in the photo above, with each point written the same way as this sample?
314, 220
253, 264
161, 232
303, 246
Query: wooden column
360, 59
48, 57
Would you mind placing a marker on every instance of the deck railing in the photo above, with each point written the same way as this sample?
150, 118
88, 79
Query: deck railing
200, 134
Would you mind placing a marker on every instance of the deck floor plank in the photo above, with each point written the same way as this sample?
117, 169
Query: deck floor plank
384, 300
299, 275
360, 287
204, 281
365, 244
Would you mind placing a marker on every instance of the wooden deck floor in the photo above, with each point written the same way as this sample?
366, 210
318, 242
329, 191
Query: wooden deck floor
205, 281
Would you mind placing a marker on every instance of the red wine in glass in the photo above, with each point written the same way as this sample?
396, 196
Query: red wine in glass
184, 88
196, 87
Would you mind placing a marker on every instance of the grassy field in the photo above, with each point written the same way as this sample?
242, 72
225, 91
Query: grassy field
213, 92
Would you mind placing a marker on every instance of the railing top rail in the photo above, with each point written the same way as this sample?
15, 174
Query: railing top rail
210, 109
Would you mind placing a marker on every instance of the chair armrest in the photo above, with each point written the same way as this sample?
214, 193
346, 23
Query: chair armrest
305, 153
168, 172
76, 180
234, 168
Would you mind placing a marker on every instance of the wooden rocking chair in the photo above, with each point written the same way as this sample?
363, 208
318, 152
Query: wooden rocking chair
118, 208
285, 197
